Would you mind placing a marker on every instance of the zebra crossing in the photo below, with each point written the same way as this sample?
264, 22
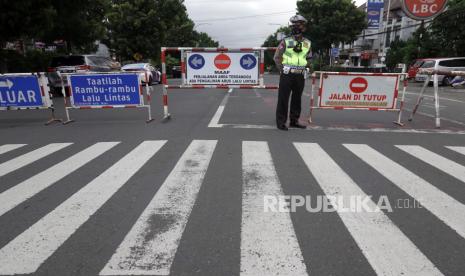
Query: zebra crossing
269, 243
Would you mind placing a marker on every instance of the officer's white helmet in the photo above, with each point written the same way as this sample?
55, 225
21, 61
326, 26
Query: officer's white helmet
298, 18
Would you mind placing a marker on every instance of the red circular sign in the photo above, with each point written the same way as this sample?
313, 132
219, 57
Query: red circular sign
358, 85
222, 61
423, 9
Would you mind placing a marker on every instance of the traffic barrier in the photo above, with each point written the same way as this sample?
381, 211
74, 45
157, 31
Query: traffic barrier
105, 91
217, 68
433, 73
358, 91
26, 91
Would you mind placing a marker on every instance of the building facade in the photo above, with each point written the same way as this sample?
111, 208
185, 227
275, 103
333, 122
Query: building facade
372, 44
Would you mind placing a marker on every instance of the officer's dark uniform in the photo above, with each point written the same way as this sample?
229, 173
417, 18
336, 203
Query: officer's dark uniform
291, 57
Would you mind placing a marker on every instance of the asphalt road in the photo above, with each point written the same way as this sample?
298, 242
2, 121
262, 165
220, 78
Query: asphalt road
112, 195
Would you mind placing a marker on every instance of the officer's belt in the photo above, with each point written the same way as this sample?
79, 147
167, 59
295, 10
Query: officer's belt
296, 71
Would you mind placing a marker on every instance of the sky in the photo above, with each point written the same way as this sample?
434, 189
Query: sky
241, 23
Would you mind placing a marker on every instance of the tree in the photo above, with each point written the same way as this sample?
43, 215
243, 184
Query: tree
79, 22
144, 26
448, 29
25, 19
331, 21
204, 40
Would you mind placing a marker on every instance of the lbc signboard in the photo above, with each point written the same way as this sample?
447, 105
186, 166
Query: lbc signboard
20, 92
105, 90
423, 9
359, 91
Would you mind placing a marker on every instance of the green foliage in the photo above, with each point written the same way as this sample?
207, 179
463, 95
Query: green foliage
204, 40
144, 26
79, 23
448, 29
22, 19
331, 21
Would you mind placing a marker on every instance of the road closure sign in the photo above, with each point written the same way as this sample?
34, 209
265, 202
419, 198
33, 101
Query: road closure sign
20, 91
217, 68
358, 91
105, 90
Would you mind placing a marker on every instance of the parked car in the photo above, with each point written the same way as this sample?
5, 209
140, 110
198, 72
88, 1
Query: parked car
77, 64
176, 71
414, 67
443, 64
153, 74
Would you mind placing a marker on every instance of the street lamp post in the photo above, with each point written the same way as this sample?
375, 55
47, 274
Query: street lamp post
385, 28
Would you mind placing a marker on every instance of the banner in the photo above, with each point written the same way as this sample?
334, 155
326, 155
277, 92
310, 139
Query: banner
359, 91
216, 68
105, 90
374, 8
21, 91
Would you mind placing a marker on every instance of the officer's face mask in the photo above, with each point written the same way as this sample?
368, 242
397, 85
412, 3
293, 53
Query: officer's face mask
298, 28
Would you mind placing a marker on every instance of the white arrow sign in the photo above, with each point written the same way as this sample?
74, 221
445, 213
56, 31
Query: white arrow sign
196, 61
247, 62
6, 83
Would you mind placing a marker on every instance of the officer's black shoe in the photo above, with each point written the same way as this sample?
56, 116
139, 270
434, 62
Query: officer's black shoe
283, 127
297, 125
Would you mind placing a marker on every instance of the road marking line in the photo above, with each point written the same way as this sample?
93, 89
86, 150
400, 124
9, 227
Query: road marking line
146, 250
443, 206
268, 242
26, 253
30, 187
384, 245
9, 147
214, 123
448, 166
458, 149
342, 129
30, 157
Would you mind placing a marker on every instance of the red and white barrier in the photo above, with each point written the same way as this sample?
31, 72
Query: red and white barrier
433, 74
358, 91
185, 51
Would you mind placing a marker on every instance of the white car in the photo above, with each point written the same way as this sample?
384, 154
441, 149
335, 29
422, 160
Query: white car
146, 70
442, 64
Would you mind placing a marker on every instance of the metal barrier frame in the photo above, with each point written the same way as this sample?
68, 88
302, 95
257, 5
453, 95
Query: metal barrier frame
45, 95
183, 51
433, 73
141, 94
400, 77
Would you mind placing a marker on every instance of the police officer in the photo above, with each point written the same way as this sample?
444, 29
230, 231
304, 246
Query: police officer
292, 57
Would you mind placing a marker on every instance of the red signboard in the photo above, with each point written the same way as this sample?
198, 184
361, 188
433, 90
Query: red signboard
222, 61
423, 9
358, 85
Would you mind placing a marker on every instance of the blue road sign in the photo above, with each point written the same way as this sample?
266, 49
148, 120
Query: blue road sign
20, 91
334, 52
196, 61
248, 62
105, 90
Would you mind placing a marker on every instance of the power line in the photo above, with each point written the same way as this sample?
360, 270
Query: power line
242, 17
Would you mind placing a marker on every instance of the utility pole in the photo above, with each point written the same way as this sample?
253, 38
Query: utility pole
385, 28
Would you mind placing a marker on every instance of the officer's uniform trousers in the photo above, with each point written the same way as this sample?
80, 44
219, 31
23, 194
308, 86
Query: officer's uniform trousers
289, 83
